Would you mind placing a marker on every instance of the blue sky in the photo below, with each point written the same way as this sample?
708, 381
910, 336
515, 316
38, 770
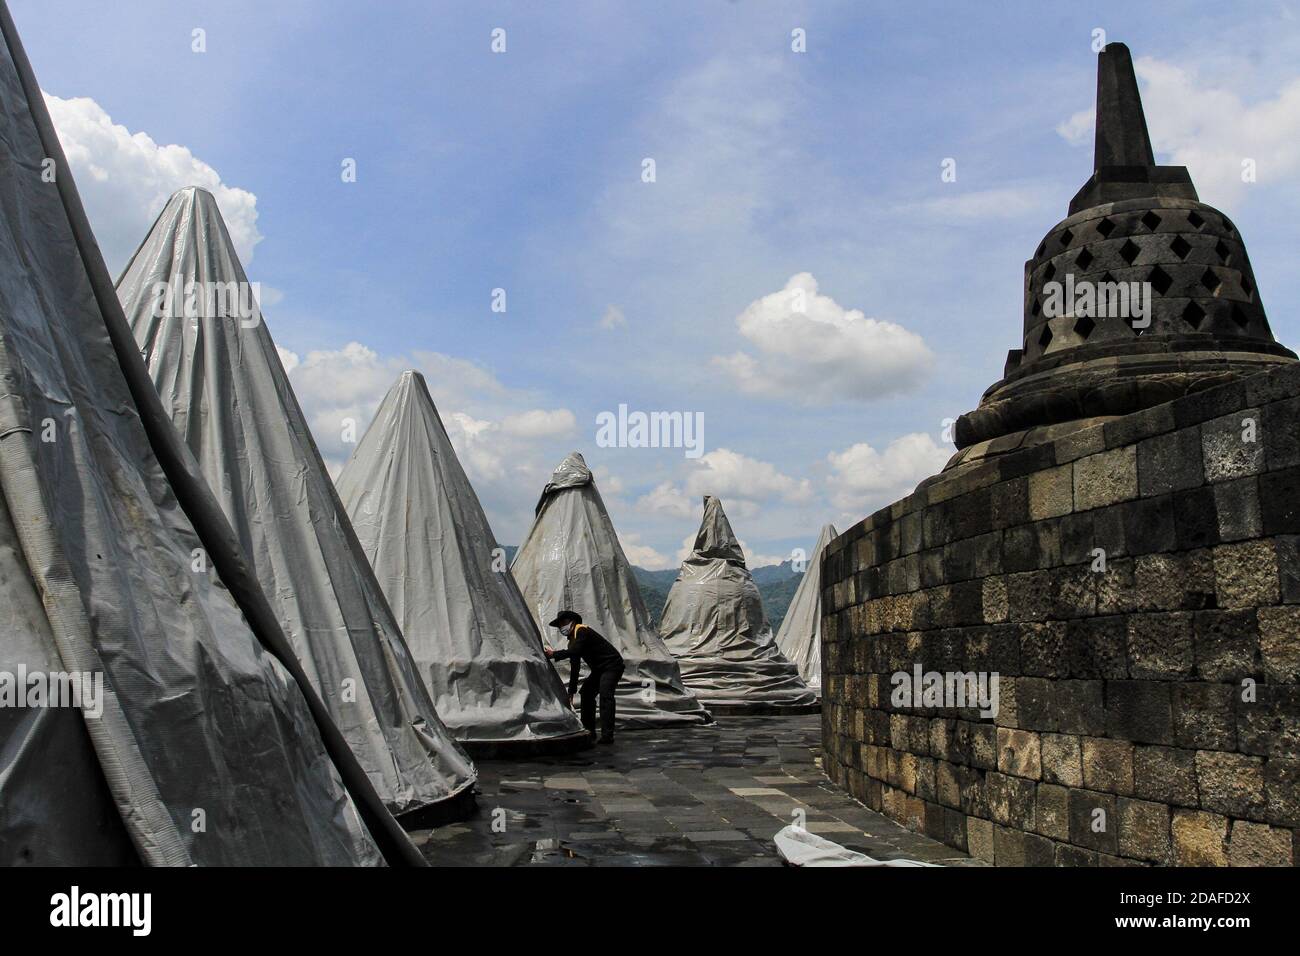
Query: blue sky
522, 171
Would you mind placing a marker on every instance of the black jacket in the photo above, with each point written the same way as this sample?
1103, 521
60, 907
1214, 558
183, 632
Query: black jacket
586, 646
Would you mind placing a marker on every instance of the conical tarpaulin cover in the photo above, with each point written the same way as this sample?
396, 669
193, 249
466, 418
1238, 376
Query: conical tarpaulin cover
216, 368
435, 556
187, 713
571, 559
800, 636
715, 625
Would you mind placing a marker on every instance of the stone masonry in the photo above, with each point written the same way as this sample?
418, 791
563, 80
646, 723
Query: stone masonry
1163, 690
1116, 544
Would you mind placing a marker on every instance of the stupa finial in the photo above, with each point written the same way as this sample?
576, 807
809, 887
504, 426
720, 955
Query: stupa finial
1122, 138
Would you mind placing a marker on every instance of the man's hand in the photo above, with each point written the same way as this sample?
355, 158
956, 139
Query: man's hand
549, 652
571, 707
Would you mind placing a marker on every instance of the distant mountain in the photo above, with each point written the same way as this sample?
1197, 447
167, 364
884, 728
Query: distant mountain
655, 586
776, 583
777, 595
774, 573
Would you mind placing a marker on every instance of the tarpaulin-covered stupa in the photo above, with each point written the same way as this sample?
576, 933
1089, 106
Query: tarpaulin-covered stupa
196, 745
468, 628
571, 559
800, 635
715, 625
215, 366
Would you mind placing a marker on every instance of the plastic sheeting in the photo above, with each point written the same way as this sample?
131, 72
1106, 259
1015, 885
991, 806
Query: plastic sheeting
571, 558
800, 636
425, 533
96, 578
798, 847
221, 380
715, 625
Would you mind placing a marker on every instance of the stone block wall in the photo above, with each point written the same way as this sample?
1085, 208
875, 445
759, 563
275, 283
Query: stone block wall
1149, 713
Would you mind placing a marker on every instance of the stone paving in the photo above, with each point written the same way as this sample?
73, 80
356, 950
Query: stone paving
711, 796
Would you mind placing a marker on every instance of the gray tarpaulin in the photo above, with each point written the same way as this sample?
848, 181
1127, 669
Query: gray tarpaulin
571, 558
199, 722
715, 625
800, 636
446, 579
220, 379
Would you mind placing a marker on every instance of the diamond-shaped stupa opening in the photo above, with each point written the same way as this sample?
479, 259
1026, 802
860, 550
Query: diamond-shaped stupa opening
1160, 280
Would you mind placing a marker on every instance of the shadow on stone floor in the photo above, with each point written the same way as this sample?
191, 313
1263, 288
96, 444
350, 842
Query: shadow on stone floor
710, 796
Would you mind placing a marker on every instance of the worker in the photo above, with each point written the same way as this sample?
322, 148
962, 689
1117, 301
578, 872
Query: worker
588, 647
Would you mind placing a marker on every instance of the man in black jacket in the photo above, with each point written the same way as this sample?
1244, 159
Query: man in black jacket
606, 666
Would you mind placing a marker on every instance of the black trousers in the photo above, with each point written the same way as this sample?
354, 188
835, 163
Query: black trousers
600, 683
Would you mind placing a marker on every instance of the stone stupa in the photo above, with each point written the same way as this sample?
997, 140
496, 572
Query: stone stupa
1133, 221
1114, 543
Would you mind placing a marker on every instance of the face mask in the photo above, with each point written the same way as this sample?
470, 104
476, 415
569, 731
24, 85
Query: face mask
566, 629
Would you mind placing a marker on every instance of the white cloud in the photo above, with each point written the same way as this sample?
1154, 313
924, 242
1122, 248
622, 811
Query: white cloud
720, 138
726, 474
642, 555
268, 296
613, 319
126, 178
746, 486
500, 441
610, 485
1211, 129
864, 479
667, 499
688, 545
540, 423
290, 360
753, 559
1009, 202
812, 349
1078, 129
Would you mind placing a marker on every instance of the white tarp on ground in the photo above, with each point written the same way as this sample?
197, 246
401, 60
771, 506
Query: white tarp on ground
715, 625
799, 847
446, 579
800, 635
98, 514
571, 559
221, 381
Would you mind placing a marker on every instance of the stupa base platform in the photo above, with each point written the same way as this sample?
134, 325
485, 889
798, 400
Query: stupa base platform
758, 708
534, 747
459, 806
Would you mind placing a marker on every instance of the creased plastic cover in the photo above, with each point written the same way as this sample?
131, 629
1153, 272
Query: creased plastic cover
198, 722
714, 623
468, 628
799, 847
215, 366
800, 636
571, 558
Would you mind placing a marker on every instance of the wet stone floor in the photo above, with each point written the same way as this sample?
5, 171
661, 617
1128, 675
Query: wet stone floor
711, 796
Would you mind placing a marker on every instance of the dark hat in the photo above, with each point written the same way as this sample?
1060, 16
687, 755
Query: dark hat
564, 617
